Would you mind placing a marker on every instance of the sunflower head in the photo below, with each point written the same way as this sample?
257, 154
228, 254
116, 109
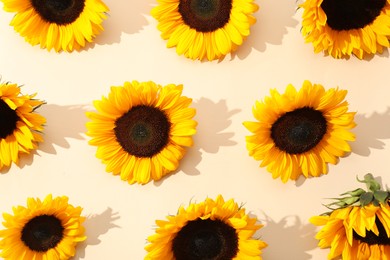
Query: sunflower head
345, 27
299, 132
213, 229
141, 130
48, 229
204, 29
358, 225
20, 126
57, 24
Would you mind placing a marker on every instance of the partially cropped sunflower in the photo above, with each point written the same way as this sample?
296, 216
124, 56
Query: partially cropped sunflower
299, 132
48, 229
343, 27
203, 29
358, 226
213, 229
20, 126
141, 130
57, 24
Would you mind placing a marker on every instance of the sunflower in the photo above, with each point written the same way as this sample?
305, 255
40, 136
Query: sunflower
358, 226
20, 126
203, 29
298, 132
141, 130
48, 229
343, 27
212, 229
60, 24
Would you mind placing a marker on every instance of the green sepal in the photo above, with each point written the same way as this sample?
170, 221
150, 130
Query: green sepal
370, 182
366, 198
356, 192
381, 196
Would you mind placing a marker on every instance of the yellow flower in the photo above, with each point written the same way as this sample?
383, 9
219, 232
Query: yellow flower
48, 229
342, 27
360, 228
60, 24
20, 125
298, 132
141, 130
213, 229
204, 29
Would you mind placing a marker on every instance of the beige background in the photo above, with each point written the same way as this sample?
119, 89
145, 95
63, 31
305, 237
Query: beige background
121, 216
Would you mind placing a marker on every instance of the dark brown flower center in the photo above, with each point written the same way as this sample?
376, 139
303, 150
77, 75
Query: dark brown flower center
205, 240
371, 238
143, 131
60, 12
8, 120
351, 14
205, 15
42, 233
299, 131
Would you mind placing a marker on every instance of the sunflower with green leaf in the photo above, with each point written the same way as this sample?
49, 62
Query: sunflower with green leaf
343, 27
212, 229
298, 132
141, 130
46, 229
202, 29
20, 126
57, 24
358, 225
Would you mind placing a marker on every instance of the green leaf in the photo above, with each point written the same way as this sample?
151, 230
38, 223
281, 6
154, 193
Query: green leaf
366, 198
357, 192
370, 182
381, 195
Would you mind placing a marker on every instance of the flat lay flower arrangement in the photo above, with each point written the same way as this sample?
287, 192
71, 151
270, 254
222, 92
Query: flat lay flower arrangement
143, 134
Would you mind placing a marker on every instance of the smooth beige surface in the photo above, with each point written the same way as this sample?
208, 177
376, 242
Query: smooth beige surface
121, 216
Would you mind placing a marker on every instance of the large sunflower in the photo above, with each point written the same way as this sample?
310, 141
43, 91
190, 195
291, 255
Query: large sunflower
298, 132
203, 29
20, 126
343, 27
48, 229
359, 227
213, 229
60, 24
141, 130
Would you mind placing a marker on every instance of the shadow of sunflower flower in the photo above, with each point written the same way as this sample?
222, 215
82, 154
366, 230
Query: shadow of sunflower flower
95, 226
370, 131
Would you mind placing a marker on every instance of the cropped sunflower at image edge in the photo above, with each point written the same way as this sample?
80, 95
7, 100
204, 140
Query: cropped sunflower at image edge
45, 229
212, 229
21, 127
358, 224
62, 25
299, 131
142, 129
202, 29
343, 27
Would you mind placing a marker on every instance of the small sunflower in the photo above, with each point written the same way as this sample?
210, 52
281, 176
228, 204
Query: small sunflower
298, 132
141, 130
60, 24
213, 229
203, 29
48, 229
20, 126
343, 27
358, 226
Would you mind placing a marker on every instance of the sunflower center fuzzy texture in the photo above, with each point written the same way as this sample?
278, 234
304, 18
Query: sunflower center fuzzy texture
60, 12
143, 131
205, 240
8, 119
205, 15
299, 131
42, 233
351, 14
371, 238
